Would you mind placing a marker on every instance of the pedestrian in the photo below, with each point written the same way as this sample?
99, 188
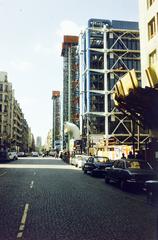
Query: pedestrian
67, 156
57, 153
130, 155
139, 155
61, 155
123, 156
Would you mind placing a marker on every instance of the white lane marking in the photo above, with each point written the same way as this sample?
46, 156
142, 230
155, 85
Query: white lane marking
3, 174
33, 166
23, 221
20, 235
21, 228
31, 185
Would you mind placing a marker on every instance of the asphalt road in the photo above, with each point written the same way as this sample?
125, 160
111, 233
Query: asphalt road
46, 199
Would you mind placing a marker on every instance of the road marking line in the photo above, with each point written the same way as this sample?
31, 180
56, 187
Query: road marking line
20, 235
21, 228
34, 173
3, 174
31, 185
25, 214
23, 221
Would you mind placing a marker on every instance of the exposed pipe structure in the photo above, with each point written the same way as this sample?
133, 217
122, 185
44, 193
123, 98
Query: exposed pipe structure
73, 130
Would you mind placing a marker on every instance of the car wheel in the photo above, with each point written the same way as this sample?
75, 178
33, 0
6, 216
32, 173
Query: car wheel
85, 171
92, 173
107, 180
123, 185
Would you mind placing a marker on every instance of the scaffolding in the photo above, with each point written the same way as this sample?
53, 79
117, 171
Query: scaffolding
56, 118
70, 81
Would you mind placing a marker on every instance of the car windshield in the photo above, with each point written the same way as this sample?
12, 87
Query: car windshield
78, 157
138, 165
100, 159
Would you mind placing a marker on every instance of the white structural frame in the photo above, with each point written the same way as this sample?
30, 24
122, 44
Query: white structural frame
121, 55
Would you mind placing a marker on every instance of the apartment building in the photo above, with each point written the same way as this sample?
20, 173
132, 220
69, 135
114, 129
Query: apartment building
31, 141
25, 136
108, 50
13, 126
6, 116
148, 24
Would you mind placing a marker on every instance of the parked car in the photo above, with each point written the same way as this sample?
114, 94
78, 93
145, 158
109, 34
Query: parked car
12, 156
52, 153
7, 156
79, 160
35, 154
96, 165
82, 161
128, 172
21, 154
75, 159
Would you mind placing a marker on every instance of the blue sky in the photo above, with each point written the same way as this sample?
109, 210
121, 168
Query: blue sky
30, 47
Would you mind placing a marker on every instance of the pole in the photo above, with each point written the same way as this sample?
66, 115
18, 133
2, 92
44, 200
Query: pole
133, 140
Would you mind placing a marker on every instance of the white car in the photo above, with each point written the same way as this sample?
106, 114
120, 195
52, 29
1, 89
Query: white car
79, 160
35, 154
74, 160
12, 156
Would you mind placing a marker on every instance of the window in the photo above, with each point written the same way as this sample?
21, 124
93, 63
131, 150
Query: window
138, 165
149, 3
97, 102
6, 88
152, 58
5, 108
151, 28
97, 81
121, 164
116, 164
91, 160
1, 87
5, 98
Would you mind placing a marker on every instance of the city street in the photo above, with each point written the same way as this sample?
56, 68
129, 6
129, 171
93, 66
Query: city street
46, 199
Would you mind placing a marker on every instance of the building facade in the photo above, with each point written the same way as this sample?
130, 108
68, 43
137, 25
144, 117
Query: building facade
48, 142
6, 116
14, 129
56, 128
148, 23
108, 50
70, 81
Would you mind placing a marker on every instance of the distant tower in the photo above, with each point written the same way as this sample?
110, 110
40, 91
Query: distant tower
38, 142
70, 81
56, 118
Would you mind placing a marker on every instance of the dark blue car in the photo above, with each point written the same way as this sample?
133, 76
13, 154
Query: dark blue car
130, 172
96, 165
